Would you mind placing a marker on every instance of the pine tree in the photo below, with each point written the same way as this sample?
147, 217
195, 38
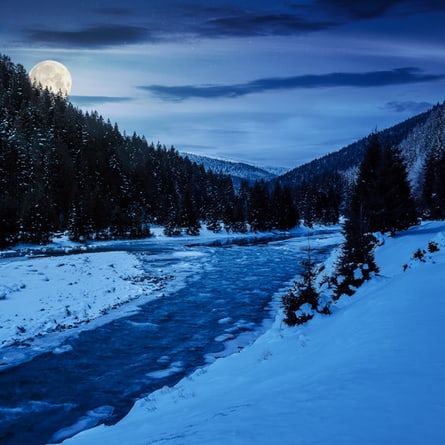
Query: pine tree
380, 202
283, 212
382, 190
356, 262
399, 209
189, 215
259, 209
303, 300
433, 191
8, 201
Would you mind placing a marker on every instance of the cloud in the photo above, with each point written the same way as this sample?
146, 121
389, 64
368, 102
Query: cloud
87, 101
285, 18
91, 37
297, 18
410, 106
175, 20
362, 10
358, 9
155, 21
260, 25
330, 80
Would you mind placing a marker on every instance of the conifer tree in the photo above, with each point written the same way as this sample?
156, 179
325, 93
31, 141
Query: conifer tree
433, 191
302, 301
381, 201
189, 215
283, 212
399, 209
259, 209
356, 262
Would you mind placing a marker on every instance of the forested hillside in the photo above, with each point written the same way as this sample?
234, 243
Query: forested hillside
322, 187
350, 157
65, 170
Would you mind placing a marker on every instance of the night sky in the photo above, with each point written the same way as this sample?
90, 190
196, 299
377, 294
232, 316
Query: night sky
276, 82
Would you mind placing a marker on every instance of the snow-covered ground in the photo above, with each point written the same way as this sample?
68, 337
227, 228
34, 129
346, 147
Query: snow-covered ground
371, 373
44, 295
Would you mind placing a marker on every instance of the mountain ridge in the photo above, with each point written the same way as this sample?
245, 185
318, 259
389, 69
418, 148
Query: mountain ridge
238, 171
348, 158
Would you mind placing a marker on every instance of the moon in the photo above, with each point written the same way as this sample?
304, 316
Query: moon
52, 75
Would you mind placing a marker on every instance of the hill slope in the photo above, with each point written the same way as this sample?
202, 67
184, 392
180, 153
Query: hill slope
371, 373
348, 158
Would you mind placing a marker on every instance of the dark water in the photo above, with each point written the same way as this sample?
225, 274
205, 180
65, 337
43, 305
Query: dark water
103, 371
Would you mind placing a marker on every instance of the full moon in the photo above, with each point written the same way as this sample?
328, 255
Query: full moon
52, 75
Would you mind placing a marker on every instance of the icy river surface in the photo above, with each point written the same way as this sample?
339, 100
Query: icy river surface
227, 294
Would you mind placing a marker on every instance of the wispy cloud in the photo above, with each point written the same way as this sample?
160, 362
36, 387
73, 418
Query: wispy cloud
298, 18
410, 106
91, 37
286, 18
283, 17
260, 25
330, 80
172, 20
362, 10
354, 9
87, 101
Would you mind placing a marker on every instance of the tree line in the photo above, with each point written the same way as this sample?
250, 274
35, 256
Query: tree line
64, 170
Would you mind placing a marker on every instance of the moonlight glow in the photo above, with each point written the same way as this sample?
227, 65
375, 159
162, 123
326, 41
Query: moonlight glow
52, 75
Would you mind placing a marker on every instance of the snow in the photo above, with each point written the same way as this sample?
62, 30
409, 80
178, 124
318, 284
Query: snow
91, 419
174, 368
44, 295
373, 372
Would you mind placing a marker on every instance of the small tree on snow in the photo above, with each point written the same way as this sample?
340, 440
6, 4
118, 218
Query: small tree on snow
303, 300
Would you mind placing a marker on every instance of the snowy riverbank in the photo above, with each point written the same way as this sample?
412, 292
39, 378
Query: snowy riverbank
373, 372
39, 296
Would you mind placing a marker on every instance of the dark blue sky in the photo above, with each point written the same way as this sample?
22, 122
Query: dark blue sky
272, 83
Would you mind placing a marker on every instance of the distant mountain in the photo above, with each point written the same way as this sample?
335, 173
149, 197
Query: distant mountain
277, 171
415, 137
237, 170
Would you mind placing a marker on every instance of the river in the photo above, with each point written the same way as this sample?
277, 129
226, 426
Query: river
97, 375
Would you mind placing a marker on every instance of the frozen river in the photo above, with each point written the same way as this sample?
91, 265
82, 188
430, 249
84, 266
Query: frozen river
96, 376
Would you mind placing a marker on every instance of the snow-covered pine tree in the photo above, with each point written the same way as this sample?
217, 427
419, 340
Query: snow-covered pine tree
356, 262
381, 201
433, 191
302, 301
